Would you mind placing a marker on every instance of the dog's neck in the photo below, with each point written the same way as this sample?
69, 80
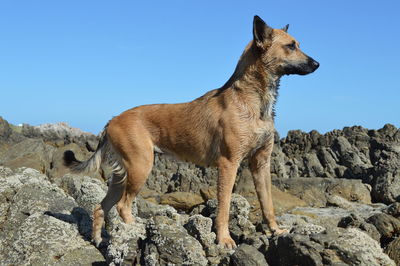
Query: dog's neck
256, 84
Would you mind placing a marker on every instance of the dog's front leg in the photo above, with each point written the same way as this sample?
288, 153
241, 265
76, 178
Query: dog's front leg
260, 168
226, 179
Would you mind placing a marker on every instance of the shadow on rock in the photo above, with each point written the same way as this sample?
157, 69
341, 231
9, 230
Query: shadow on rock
81, 218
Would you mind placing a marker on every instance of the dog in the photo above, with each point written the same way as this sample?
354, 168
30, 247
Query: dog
220, 128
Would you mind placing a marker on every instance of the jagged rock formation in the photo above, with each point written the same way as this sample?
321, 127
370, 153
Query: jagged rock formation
337, 193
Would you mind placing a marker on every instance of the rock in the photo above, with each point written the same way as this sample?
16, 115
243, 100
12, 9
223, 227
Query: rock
184, 201
312, 165
169, 175
29, 192
199, 227
387, 225
294, 249
147, 209
332, 247
33, 198
386, 184
41, 234
314, 191
247, 255
84, 255
39, 218
244, 186
169, 243
308, 229
33, 153
34, 209
310, 190
337, 201
354, 220
331, 216
87, 191
208, 193
60, 134
394, 210
351, 158
393, 250
351, 190
283, 202
123, 248
9, 133
57, 168
240, 226
356, 247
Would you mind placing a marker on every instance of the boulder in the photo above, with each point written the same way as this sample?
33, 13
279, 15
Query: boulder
331, 247
315, 191
244, 186
199, 227
247, 255
42, 234
87, 191
393, 250
39, 218
169, 243
33, 153
386, 172
123, 248
184, 201
240, 226
9, 133
60, 134
354, 220
393, 209
387, 225
294, 249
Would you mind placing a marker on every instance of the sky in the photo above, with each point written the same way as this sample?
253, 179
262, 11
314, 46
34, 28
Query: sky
83, 62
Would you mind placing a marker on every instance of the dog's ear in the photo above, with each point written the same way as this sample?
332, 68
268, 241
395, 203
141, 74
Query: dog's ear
285, 28
261, 31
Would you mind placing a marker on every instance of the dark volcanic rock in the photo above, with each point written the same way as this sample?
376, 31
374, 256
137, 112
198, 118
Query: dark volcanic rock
247, 255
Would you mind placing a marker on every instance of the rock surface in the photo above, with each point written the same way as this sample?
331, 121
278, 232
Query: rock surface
39, 218
338, 195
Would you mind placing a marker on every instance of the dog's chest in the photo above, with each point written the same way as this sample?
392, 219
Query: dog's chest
270, 96
262, 134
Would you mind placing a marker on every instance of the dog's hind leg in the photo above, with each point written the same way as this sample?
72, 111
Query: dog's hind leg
138, 164
114, 194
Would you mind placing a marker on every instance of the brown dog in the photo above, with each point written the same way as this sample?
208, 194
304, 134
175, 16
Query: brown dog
220, 128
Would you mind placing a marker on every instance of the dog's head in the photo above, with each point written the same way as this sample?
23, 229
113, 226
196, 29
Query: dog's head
279, 51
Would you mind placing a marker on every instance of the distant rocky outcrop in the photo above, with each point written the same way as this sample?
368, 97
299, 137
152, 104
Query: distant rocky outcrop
338, 194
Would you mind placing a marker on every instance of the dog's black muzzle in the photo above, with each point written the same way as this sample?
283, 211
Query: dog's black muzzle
302, 69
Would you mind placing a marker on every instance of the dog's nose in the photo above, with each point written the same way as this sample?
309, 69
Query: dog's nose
315, 64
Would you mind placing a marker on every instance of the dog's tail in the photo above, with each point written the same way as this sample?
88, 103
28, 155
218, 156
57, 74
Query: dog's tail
94, 162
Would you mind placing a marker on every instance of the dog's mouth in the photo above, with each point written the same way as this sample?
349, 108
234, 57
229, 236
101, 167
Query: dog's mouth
301, 69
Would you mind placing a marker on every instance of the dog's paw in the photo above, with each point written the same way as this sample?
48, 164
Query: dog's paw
97, 241
278, 231
227, 242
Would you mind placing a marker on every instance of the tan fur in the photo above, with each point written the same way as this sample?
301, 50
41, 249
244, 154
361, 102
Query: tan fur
220, 128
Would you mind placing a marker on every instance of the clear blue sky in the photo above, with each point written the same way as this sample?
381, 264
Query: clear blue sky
84, 62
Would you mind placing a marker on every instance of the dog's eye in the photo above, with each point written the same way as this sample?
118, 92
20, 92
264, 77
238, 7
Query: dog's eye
291, 46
